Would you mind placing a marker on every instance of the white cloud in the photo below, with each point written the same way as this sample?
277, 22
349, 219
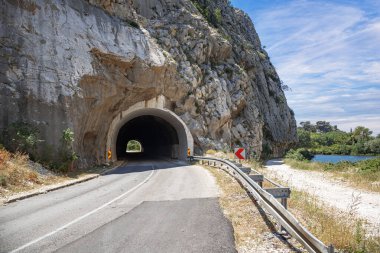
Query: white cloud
329, 54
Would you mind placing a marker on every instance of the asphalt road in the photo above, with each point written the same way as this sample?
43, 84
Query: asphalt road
150, 206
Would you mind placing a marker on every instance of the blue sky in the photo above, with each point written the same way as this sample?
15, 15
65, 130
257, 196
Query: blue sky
328, 52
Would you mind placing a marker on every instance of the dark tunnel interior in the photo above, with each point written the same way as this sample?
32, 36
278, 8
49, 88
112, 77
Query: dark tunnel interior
157, 137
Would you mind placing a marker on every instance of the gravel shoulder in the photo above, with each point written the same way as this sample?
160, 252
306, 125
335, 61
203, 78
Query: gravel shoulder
336, 193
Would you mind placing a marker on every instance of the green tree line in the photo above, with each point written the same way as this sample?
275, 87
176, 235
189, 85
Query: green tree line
324, 138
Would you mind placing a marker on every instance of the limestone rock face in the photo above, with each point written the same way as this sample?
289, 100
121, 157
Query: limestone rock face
78, 63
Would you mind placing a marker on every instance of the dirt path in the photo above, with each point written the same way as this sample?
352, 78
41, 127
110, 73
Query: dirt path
333, 192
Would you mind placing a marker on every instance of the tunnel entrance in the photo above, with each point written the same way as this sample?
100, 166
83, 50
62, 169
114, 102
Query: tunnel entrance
158, 138
160, 131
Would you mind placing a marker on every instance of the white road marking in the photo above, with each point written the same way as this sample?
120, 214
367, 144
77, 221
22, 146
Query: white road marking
83, 216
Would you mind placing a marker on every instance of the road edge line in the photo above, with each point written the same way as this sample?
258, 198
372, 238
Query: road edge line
83, 216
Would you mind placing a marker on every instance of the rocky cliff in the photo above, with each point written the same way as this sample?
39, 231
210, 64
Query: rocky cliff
78, 63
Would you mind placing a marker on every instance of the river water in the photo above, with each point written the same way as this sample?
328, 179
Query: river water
339, 158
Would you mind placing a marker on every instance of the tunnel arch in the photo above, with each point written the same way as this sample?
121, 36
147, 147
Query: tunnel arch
151, 111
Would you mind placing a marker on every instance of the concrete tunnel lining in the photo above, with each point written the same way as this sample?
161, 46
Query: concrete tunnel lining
185, 139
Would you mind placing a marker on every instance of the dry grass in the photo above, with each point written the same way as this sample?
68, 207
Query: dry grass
363, 180
254, 231
220, 154
211, 152
332, 226
342, 229
17, 174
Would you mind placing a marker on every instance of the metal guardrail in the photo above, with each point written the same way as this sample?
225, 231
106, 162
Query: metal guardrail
266, 200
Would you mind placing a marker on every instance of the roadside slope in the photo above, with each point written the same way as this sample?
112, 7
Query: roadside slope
333, 192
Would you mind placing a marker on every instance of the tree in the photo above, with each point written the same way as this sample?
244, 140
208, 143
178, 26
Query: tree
359, 149
304, 139
307, 126
324, 127
361, 134
339, 137
373, 146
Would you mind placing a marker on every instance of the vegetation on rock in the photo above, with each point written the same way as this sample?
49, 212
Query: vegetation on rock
21, 138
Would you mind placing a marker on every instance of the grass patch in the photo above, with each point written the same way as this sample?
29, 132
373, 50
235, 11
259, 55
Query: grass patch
364, 174
261, 55
346, 232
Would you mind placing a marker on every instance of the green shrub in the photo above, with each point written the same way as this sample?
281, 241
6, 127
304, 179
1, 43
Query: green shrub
23, 137
229, 71
279, 99
370, 165
67, 155
133, 24
340, 166
373, 146
304, 140
293, 154
300, 154
218, 15
213, 17
267, 150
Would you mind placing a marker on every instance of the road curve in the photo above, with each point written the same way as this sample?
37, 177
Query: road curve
150, 206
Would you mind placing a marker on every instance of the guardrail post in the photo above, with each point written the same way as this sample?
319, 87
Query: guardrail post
258, 178
284, 202
330, 249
